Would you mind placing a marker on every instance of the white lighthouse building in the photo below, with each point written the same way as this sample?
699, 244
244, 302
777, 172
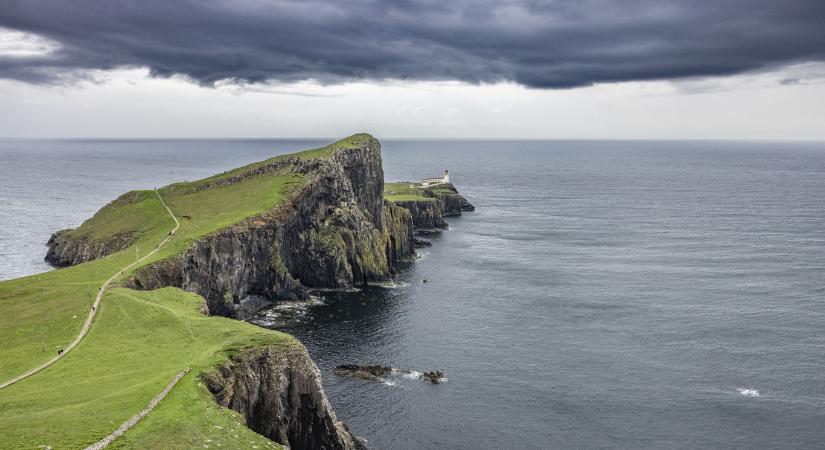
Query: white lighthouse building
433, 181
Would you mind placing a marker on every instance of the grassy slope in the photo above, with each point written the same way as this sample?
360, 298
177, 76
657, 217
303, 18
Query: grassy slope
203, 212
44, 312
110, 221
405, 191
125, 360
140, 341
354, 141
54, 304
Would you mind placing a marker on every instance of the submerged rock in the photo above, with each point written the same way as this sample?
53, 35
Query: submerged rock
421, 243
250, 305
377, 373
428, 232
364, 372
436, 376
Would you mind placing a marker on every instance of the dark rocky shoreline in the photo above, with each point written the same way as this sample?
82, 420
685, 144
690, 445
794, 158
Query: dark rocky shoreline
337, 232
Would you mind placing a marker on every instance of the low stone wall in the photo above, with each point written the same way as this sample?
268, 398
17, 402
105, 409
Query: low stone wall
103, 443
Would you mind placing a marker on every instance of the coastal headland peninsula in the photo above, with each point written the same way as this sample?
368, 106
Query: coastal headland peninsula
133, 342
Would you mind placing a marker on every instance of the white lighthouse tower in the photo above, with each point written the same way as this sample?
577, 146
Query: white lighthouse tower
433, 181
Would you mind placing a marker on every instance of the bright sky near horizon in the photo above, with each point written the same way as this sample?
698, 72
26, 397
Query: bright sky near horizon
131, 104
490, 69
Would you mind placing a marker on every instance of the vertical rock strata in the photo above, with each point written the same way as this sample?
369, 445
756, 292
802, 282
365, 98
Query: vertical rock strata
428, 213
278, 391
336, 232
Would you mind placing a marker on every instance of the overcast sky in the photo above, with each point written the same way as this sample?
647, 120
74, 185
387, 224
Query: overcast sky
738, 69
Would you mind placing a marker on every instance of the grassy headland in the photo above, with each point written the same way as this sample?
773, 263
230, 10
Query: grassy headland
405, 191
139, 340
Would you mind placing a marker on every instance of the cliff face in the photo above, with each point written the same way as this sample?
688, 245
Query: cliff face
398, 223
70, 247
66, 251
427, 214
451, 201
336, 232
440, 201
278, 391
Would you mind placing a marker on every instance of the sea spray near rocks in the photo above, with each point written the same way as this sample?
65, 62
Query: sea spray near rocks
748, 392
380, 373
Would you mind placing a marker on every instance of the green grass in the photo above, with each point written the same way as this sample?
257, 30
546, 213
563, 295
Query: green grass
139, 342
409, 191
189, 418
145, 214
405, 191
441, 188
41, 313
354, 141
203, 212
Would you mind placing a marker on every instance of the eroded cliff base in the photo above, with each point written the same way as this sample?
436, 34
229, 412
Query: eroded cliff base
278, 391
334, 232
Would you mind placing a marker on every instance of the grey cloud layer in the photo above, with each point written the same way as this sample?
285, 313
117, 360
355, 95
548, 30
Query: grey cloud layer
545, 44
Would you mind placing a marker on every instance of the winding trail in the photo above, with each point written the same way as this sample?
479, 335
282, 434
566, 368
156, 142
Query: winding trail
103, 443
93, 310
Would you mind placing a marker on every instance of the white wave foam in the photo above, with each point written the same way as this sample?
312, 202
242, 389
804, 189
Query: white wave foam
347, 290
748, 392
412, 374
314, 300
299, 306
389, 284
289, 306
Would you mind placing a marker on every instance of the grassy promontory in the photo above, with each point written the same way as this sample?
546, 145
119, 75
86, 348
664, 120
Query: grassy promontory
139, 339
405, 190
408, 190
427, 204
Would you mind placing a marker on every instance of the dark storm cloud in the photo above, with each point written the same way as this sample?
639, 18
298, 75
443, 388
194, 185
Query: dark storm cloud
545, 44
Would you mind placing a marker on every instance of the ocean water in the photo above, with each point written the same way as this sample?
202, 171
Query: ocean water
603, 294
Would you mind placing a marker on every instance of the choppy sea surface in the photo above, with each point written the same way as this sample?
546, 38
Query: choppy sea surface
603, 294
